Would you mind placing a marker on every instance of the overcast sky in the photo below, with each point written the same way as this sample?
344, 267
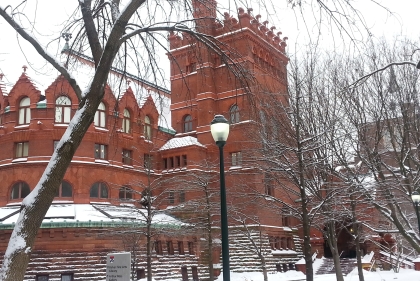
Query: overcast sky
15, 53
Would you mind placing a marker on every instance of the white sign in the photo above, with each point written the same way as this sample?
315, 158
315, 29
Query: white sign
118, 266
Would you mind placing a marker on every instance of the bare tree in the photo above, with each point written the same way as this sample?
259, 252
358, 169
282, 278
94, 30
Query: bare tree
114, 36
382, 125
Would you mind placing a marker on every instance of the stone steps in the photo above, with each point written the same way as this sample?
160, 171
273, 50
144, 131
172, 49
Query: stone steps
327, 267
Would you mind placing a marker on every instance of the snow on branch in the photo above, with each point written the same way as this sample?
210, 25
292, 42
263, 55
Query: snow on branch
363, 79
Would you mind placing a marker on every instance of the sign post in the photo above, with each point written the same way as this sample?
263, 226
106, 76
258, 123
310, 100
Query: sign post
118, 266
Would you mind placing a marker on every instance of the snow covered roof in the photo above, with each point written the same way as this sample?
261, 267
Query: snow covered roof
79, 214
181, 142
83, 70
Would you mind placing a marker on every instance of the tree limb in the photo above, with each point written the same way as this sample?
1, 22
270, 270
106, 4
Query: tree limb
31, 39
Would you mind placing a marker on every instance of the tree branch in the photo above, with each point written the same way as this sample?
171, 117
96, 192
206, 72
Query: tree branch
356, 83
31, 39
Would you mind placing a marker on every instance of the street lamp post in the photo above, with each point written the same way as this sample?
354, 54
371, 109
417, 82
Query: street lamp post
415, 196
219, 128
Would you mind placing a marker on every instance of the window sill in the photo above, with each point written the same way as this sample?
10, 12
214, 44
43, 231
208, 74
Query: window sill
235, 167
101, 161
101, 129
22, 126
61, 125
17, 160
128, 166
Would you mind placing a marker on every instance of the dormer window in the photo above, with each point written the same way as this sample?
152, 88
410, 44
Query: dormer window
62, 110
126, 122
24, 111
100, 116
147, 128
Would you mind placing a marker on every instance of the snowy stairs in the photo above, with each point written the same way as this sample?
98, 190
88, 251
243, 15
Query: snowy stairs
92, 265
327, 267
244, 258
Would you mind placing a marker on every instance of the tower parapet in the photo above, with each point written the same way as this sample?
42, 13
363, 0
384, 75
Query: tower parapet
244, 20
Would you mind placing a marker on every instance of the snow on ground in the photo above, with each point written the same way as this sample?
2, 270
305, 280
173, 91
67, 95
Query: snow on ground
403, 275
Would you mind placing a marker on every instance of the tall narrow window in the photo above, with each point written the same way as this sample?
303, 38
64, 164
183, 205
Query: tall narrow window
22, 149
64, 190
100, 151
99, 190
100, 116
62, 110
191, 248
171, 197
269, 190
19, 190
147, 128
187, 124
126, 122
125, 193
184, 160
170, 247
236, 158
24, 111
158, 247
42, 278
180, 247
127, 157
181, 196
234, 114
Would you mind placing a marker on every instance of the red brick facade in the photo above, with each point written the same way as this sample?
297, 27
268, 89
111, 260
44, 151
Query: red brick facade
115, 151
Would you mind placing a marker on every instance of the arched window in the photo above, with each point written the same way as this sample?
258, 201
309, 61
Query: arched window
147, 128
99, 190
126, 193
19, 190
24, 111
62, 110
126, 122
234, 114
100, 116
187, 124
64, 190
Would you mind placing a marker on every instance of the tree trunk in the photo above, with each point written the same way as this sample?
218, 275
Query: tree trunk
264, 268
149, 234
356, 229
304, 203
36, 204
332, 242
209, 237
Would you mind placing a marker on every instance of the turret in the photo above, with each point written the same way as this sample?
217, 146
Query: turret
204, 12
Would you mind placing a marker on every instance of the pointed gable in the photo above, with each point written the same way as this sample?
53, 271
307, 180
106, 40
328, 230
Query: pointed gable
60, 87
24, 87
129, 101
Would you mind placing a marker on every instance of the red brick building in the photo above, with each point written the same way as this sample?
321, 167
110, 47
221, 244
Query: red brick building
144, 134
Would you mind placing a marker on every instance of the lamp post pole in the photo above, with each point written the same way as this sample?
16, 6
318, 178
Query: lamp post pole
220, 130
415, 196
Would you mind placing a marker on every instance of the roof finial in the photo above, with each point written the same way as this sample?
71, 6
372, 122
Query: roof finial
67, 37
24, 68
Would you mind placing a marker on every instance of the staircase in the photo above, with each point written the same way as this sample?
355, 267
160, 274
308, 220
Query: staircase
327, 267
244, 257
91, 266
